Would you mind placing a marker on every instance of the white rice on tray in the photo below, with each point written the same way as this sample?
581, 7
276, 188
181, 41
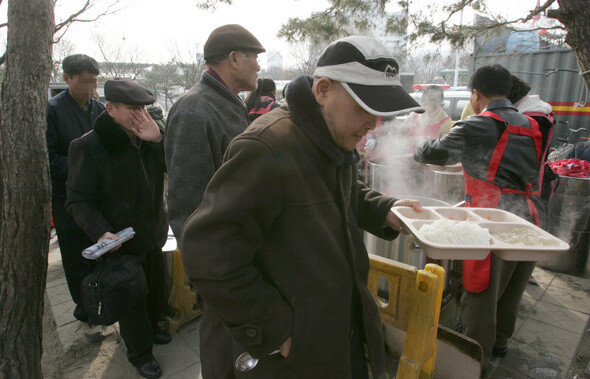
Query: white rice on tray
450, 232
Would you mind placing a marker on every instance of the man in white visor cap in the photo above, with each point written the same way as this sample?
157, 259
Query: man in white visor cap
276, 249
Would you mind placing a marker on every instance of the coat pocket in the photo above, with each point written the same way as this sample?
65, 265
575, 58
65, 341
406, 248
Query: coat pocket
297, 354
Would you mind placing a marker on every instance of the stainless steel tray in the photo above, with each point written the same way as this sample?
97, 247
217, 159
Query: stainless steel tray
496, 220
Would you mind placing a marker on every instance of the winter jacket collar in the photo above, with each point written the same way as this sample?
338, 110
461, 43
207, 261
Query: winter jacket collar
500, 103
112, 137
308, 117
532, 103
210, 80
69, 96
216, 76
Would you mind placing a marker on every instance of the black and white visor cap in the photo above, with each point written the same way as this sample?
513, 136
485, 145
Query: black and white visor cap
367, 71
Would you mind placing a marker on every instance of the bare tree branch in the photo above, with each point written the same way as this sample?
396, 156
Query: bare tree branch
73, 16
64, 25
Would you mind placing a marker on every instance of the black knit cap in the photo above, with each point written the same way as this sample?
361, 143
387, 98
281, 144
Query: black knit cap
228, 38
127, 91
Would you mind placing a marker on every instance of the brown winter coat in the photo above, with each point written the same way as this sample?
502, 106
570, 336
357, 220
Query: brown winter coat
275, 247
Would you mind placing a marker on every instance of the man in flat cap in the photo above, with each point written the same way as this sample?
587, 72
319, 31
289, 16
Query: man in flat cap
202, 123
275, 248
115, 181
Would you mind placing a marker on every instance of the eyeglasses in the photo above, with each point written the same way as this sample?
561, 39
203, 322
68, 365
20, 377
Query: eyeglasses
247, 56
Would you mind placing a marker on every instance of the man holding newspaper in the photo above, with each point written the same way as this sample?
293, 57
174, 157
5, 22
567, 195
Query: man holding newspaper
115, 181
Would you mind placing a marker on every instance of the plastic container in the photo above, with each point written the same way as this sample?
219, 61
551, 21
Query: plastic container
543, 247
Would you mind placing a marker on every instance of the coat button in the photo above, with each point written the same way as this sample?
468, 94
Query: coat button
251, 333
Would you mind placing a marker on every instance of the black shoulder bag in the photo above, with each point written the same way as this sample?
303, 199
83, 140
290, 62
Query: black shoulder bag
117, 282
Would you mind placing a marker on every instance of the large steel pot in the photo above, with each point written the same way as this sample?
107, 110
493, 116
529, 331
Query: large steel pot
569, 219
449, 186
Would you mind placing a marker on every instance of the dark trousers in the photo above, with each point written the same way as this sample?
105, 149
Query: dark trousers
138, 325
489, 316
155, 275
137, 333
72, 240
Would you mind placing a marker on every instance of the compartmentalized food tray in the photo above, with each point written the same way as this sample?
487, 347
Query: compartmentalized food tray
496, 220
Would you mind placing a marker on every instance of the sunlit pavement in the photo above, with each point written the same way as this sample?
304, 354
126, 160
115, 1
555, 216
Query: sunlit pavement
552, 320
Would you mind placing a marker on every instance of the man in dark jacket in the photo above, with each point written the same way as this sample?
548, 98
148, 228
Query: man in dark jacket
116, 181
202, 123
70, 114
501, 152
275, 248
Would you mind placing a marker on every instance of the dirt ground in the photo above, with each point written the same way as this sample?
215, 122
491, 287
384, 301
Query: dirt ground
100, 359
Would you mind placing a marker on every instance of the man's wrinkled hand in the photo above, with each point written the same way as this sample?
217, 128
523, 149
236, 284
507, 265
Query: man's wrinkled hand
394, 222
111, 236
144, 127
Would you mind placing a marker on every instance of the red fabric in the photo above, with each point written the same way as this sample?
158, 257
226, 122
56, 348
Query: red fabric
571, 167
479, 193
216, 75
262, 111
476, 274
527, 194
539, 114
485, 194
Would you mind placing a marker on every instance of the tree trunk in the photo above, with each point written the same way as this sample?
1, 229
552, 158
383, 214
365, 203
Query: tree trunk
24, 187
575, 16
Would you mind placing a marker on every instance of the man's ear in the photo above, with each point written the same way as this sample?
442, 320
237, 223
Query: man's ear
233, 59
110, 108
475, 100
67, 78
476, 94
321, 89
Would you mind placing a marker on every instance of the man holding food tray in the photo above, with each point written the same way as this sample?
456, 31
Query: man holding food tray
501, 152
275, 248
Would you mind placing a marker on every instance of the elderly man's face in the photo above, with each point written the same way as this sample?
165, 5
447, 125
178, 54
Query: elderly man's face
248, 67
122, 114
347, 121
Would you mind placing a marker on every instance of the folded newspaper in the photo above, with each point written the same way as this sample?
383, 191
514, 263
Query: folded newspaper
108, 244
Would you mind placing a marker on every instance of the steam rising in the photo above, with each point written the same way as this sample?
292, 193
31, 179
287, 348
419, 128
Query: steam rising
392, 169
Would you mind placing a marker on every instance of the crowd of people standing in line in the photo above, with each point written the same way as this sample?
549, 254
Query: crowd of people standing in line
265, 202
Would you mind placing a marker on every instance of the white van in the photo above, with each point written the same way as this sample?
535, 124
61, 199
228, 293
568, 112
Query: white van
55, 88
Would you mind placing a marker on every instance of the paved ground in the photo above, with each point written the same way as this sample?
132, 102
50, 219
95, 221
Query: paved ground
552, 320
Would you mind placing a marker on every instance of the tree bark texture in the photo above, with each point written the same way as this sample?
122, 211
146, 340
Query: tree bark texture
575, 16
24, 186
